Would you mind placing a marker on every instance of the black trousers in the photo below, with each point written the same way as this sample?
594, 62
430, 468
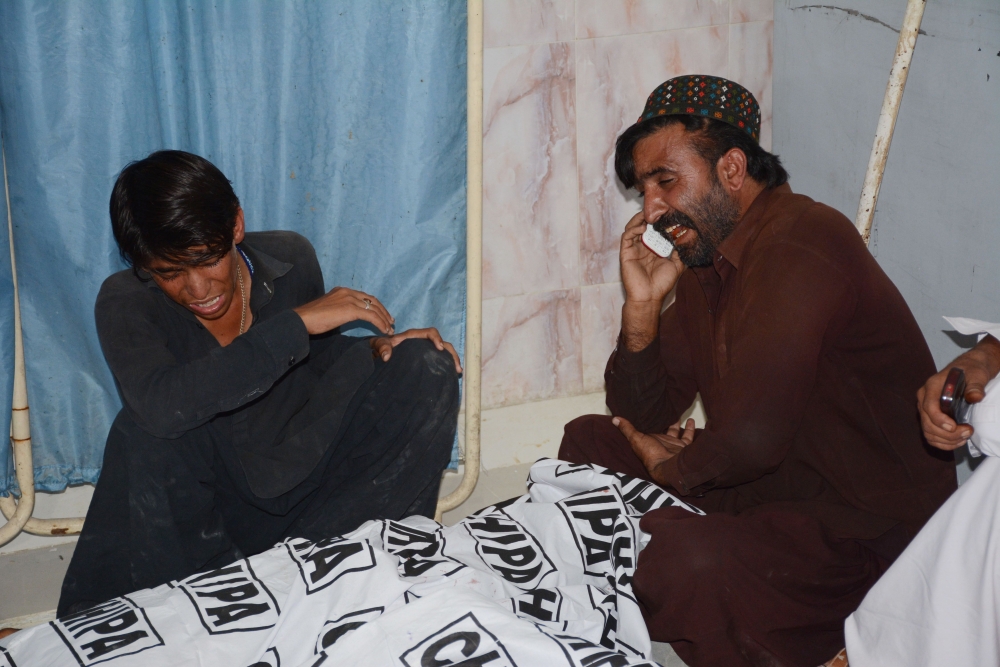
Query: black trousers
165, 509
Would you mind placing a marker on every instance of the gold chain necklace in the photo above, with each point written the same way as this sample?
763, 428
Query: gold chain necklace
243, 296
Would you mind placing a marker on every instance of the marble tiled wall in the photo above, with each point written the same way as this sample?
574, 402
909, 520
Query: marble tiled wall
563, 78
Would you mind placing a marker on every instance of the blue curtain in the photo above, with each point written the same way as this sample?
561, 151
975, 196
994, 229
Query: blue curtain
342, 120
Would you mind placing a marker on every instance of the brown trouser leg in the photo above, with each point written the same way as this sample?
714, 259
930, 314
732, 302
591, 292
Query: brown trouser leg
763, 587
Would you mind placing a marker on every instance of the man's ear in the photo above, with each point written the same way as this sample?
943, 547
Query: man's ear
732, 170
239, 231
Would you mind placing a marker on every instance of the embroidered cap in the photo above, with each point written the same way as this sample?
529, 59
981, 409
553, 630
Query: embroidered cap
709, 96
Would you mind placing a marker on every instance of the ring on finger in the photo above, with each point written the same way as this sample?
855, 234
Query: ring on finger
368, 304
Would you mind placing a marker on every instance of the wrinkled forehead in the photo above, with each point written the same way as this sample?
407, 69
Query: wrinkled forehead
668, 150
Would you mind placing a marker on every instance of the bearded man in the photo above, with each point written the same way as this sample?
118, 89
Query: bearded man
812, 469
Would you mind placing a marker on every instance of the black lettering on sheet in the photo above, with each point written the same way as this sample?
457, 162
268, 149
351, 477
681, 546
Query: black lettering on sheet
461, 643
269, 659
642, 496
324, 562
409, 597
407, 542
610, 631
111, 630
608, 608
231, 599
510, 550
5, 659
419, 551
592, 517
582, 653
623, 558
334, 630
541, 604
572, 468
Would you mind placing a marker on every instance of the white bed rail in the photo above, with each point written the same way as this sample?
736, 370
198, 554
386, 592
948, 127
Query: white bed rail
19, 513
472, 376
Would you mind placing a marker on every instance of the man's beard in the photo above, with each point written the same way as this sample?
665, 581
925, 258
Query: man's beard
716, 214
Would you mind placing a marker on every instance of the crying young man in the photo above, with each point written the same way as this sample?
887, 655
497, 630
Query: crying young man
246, 417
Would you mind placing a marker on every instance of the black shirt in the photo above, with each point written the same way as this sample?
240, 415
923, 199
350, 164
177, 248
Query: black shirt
256, 393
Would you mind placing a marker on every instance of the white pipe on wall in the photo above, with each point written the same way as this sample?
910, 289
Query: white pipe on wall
20, 436
19, 513
474, 264
887, 119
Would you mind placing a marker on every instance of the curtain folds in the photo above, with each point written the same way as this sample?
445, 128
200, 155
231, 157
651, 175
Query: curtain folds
341, 120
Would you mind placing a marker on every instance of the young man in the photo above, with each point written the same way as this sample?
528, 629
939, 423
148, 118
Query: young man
246, 417
812, 468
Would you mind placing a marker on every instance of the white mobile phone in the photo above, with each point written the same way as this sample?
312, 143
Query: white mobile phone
657, 242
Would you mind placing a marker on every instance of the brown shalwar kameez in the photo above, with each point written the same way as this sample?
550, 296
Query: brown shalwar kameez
812, 467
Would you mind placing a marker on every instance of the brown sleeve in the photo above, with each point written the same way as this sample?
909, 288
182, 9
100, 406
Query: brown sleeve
653, 387
792, 295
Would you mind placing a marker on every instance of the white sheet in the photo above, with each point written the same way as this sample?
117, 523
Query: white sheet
544, 580
939, 604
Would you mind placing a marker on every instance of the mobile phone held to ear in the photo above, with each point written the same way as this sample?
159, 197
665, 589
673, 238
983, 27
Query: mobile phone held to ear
657, 242
953, 396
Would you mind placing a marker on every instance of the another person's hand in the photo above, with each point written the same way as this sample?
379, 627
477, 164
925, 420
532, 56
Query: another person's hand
648, 279
382, 346
655, 449
981, 364
342, 305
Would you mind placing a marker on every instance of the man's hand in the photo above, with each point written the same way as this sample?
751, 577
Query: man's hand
342, 305
382, 346
981, 364
654, 449
648, 279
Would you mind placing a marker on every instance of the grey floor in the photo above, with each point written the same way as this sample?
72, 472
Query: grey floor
30, 580
664, 654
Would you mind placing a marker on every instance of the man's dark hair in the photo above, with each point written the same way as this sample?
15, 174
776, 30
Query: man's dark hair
712, 140
165, 205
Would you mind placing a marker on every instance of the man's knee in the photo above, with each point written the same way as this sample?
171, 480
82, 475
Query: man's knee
687, 555
419, 354
583, 435
427, 374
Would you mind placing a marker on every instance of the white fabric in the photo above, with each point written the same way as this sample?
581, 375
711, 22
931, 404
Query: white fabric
542, 580
964, 325
939, 604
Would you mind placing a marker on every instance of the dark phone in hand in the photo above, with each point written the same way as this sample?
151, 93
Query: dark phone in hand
953, 396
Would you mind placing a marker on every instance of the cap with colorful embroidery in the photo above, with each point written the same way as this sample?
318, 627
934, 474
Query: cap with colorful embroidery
709, 96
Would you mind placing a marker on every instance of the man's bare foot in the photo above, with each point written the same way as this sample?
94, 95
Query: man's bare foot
839, 660
7, 632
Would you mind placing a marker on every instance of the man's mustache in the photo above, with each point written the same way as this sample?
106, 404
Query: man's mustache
671, 219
